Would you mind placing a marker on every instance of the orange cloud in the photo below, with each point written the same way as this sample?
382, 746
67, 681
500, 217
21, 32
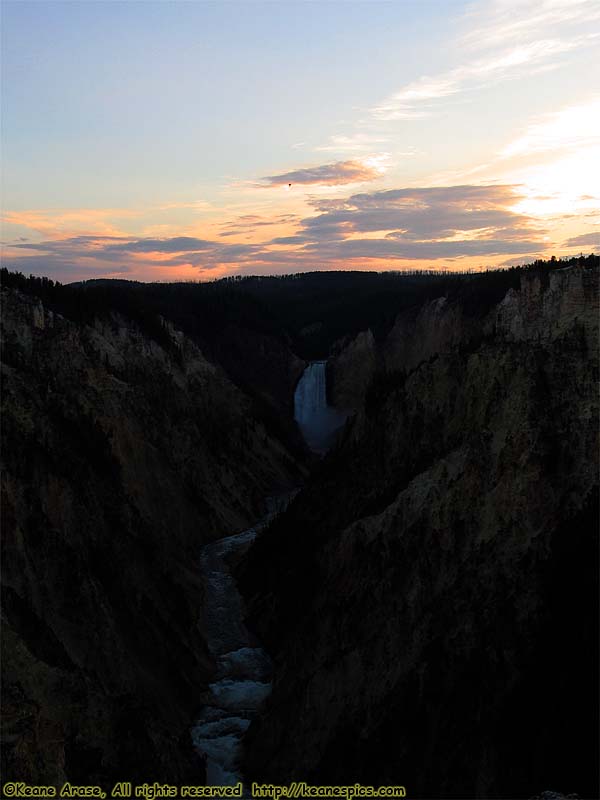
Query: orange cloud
56, 223
450, 226
336, 174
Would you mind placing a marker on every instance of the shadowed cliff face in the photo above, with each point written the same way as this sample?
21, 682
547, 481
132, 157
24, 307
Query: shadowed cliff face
446, 324
266, 370
122, 457
430, 598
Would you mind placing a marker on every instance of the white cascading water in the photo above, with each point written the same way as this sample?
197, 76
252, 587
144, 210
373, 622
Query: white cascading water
243, 678
317, 421
244, 669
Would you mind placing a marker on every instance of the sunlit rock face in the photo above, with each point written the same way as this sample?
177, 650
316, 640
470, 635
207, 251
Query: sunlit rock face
318, 422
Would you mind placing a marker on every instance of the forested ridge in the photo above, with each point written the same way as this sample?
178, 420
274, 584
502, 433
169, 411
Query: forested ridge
308, 310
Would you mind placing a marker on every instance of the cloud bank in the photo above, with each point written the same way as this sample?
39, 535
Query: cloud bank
379, 227
586, 239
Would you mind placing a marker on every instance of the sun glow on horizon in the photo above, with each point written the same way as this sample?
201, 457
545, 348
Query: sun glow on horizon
490, 154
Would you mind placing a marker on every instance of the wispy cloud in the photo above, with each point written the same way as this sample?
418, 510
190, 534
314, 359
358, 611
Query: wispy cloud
249, 223
97, 221
517, 21
175, 244
555, 161
335, 174
574, 127
418, 99
505, 40
355, 143
54, 221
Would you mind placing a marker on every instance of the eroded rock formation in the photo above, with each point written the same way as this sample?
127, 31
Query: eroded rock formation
430, 598
122, 456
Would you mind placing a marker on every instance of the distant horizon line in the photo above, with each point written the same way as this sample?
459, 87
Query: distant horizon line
446, 272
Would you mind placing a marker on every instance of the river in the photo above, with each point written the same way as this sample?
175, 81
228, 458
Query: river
243, 678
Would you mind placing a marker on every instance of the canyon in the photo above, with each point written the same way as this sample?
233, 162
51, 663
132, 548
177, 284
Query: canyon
430, 599
423, 610
122, 458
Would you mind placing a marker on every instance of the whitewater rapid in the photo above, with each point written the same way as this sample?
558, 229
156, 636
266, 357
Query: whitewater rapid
243, 679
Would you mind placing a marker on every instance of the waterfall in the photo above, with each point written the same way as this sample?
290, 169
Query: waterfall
311, 393
318, 422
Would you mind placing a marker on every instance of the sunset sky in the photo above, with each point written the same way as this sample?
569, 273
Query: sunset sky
158, 141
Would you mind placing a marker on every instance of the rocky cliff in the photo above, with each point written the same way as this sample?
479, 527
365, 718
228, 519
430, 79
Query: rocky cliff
267, 371
122, 455
350, 370
430, 597
450, 322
